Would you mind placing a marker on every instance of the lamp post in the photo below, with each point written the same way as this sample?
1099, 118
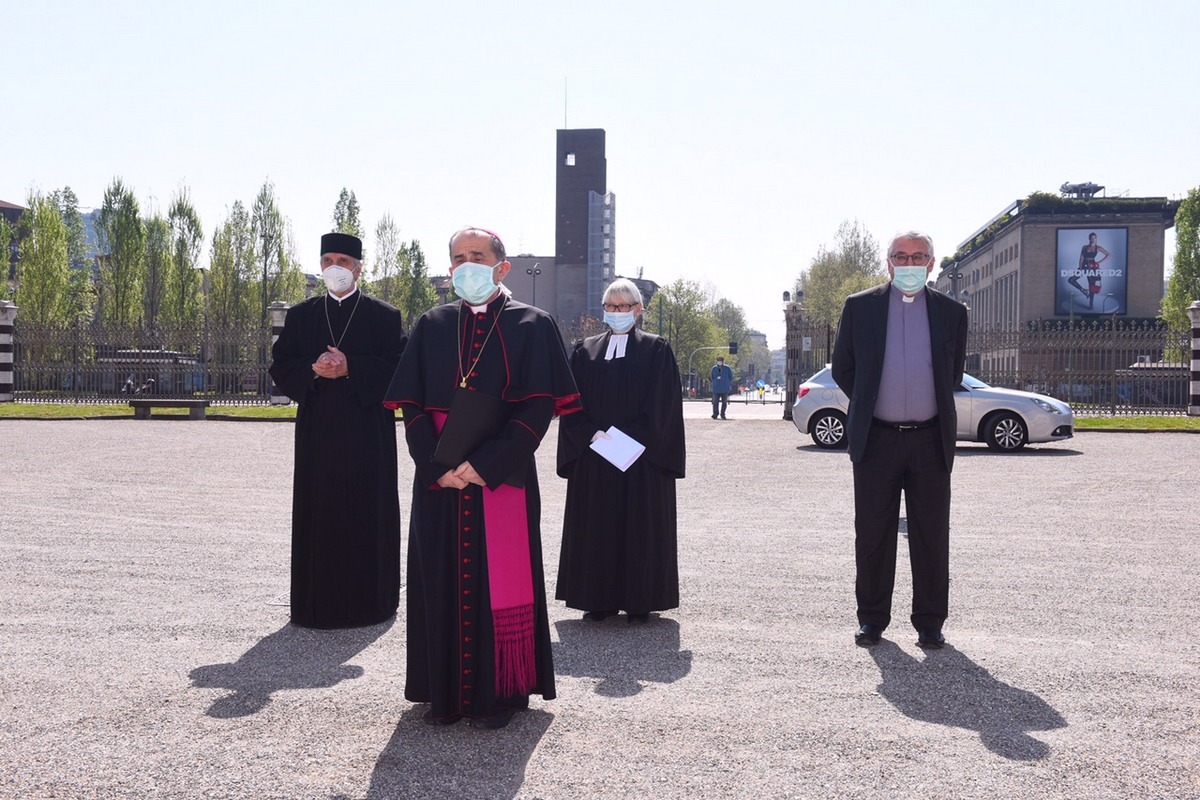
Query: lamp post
1112, 398
534, 271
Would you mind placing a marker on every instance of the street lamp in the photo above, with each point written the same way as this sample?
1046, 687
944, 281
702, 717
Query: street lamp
535, 270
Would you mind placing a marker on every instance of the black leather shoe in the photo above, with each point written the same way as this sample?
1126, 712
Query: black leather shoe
598, 616
639, 619
495, 721
868, 635
430, 719
930, 638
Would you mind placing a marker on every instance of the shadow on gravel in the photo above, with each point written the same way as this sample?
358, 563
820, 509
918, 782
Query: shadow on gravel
621, 655
456, 760
1024, 452
947, 688
290, 658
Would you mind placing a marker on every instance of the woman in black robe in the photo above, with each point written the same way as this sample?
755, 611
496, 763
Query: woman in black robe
619, 528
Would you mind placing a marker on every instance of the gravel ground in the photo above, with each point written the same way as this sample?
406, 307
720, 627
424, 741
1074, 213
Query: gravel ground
145, 655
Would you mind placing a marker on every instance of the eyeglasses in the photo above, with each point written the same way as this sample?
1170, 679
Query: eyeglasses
916, 259
621, 307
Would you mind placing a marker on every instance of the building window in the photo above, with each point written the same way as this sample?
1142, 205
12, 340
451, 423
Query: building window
570, 160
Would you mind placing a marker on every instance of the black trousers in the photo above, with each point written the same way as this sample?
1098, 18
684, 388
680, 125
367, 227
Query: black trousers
912, 462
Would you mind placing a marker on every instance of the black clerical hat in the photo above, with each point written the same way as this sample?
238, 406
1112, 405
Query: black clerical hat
342, 243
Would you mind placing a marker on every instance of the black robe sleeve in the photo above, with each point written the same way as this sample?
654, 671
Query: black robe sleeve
291, 364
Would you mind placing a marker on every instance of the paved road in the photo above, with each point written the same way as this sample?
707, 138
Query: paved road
142, 656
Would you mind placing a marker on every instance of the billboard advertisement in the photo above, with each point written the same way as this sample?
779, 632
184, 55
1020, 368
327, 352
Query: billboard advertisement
1091, 274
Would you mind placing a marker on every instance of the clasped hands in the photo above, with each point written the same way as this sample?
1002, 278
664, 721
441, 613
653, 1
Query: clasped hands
461, 477
331, 364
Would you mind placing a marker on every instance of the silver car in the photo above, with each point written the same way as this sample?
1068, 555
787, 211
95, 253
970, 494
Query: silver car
1007, 419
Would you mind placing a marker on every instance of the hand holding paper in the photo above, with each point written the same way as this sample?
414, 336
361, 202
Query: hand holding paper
618, 447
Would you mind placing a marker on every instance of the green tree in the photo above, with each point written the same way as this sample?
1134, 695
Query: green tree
385, 276
730, 318
82, 290
851, 265
7, 257
346, 215
43, 274
417, 292
1183, 288
122, 241
231, 299
270, 237
187, 242
680, 313
159, 268
290, 283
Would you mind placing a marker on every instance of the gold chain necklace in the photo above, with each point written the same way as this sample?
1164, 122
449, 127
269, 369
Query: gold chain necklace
338, 342
482, 347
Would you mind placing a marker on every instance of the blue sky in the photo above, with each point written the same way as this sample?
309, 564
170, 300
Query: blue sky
739, 134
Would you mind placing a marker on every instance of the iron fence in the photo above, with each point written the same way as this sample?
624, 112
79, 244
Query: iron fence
91, 364
1111, 366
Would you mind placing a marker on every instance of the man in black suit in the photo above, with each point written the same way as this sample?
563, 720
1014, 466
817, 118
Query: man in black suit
899, 357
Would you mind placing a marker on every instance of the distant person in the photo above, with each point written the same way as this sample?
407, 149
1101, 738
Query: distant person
619, 548
334, 357
1089, 265
899, 355
722, 385
478, 631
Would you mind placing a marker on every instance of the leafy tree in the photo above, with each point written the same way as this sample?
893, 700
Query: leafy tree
385, 277
182, 306
850, 266
231, 301
7, 262
290, 284
346, 215
270, 238
731, 319
1183, 288
680, 313
43, 274
159, 268
122, 243
417, 293
82, 291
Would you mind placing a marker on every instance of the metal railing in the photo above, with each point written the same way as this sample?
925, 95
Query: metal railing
91, 364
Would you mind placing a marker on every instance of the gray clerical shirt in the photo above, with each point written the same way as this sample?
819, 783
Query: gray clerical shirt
906, 385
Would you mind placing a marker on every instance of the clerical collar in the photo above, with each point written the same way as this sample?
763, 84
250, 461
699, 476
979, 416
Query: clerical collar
907, 298
616, 346
341, 300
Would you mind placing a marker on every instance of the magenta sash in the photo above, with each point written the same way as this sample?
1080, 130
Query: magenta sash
510, 583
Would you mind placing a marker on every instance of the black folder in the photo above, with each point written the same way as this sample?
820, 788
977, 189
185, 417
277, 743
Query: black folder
473, 418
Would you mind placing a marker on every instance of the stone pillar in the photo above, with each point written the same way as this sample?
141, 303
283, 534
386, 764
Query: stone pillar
8, 313
279, 311
1194, 389
793, 316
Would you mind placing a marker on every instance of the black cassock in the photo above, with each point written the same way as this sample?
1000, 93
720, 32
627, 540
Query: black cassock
619, 528
345, 503
454, 594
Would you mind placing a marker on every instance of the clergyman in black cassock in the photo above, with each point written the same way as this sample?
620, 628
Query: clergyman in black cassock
619, 548
335, 357
477, 627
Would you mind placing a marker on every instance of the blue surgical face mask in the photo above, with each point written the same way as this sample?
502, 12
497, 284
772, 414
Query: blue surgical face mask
473, 282
620, 321
909, 280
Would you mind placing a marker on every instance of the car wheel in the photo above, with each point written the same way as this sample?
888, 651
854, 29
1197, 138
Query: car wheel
828, 429
1006, 432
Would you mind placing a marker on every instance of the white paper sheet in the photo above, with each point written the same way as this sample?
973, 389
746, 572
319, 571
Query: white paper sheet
621, 450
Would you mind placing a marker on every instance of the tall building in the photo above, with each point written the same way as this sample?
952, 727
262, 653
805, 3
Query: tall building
585, 225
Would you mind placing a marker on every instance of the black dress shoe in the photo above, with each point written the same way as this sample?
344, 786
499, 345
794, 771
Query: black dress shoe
868, 635
497, 720
598, 616
639, 619
430, 719
930, 638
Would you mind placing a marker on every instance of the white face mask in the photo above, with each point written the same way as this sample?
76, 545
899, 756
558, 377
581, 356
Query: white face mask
620, 321
909, 280
339, 280
473, 282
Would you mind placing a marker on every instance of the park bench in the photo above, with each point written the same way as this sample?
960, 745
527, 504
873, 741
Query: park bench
141, 408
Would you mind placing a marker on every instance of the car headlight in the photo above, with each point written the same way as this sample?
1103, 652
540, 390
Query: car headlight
1044, 406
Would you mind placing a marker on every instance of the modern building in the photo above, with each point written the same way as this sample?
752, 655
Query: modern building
1047, 257
584, 226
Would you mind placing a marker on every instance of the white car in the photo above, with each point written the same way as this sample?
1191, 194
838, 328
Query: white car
1007, 419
